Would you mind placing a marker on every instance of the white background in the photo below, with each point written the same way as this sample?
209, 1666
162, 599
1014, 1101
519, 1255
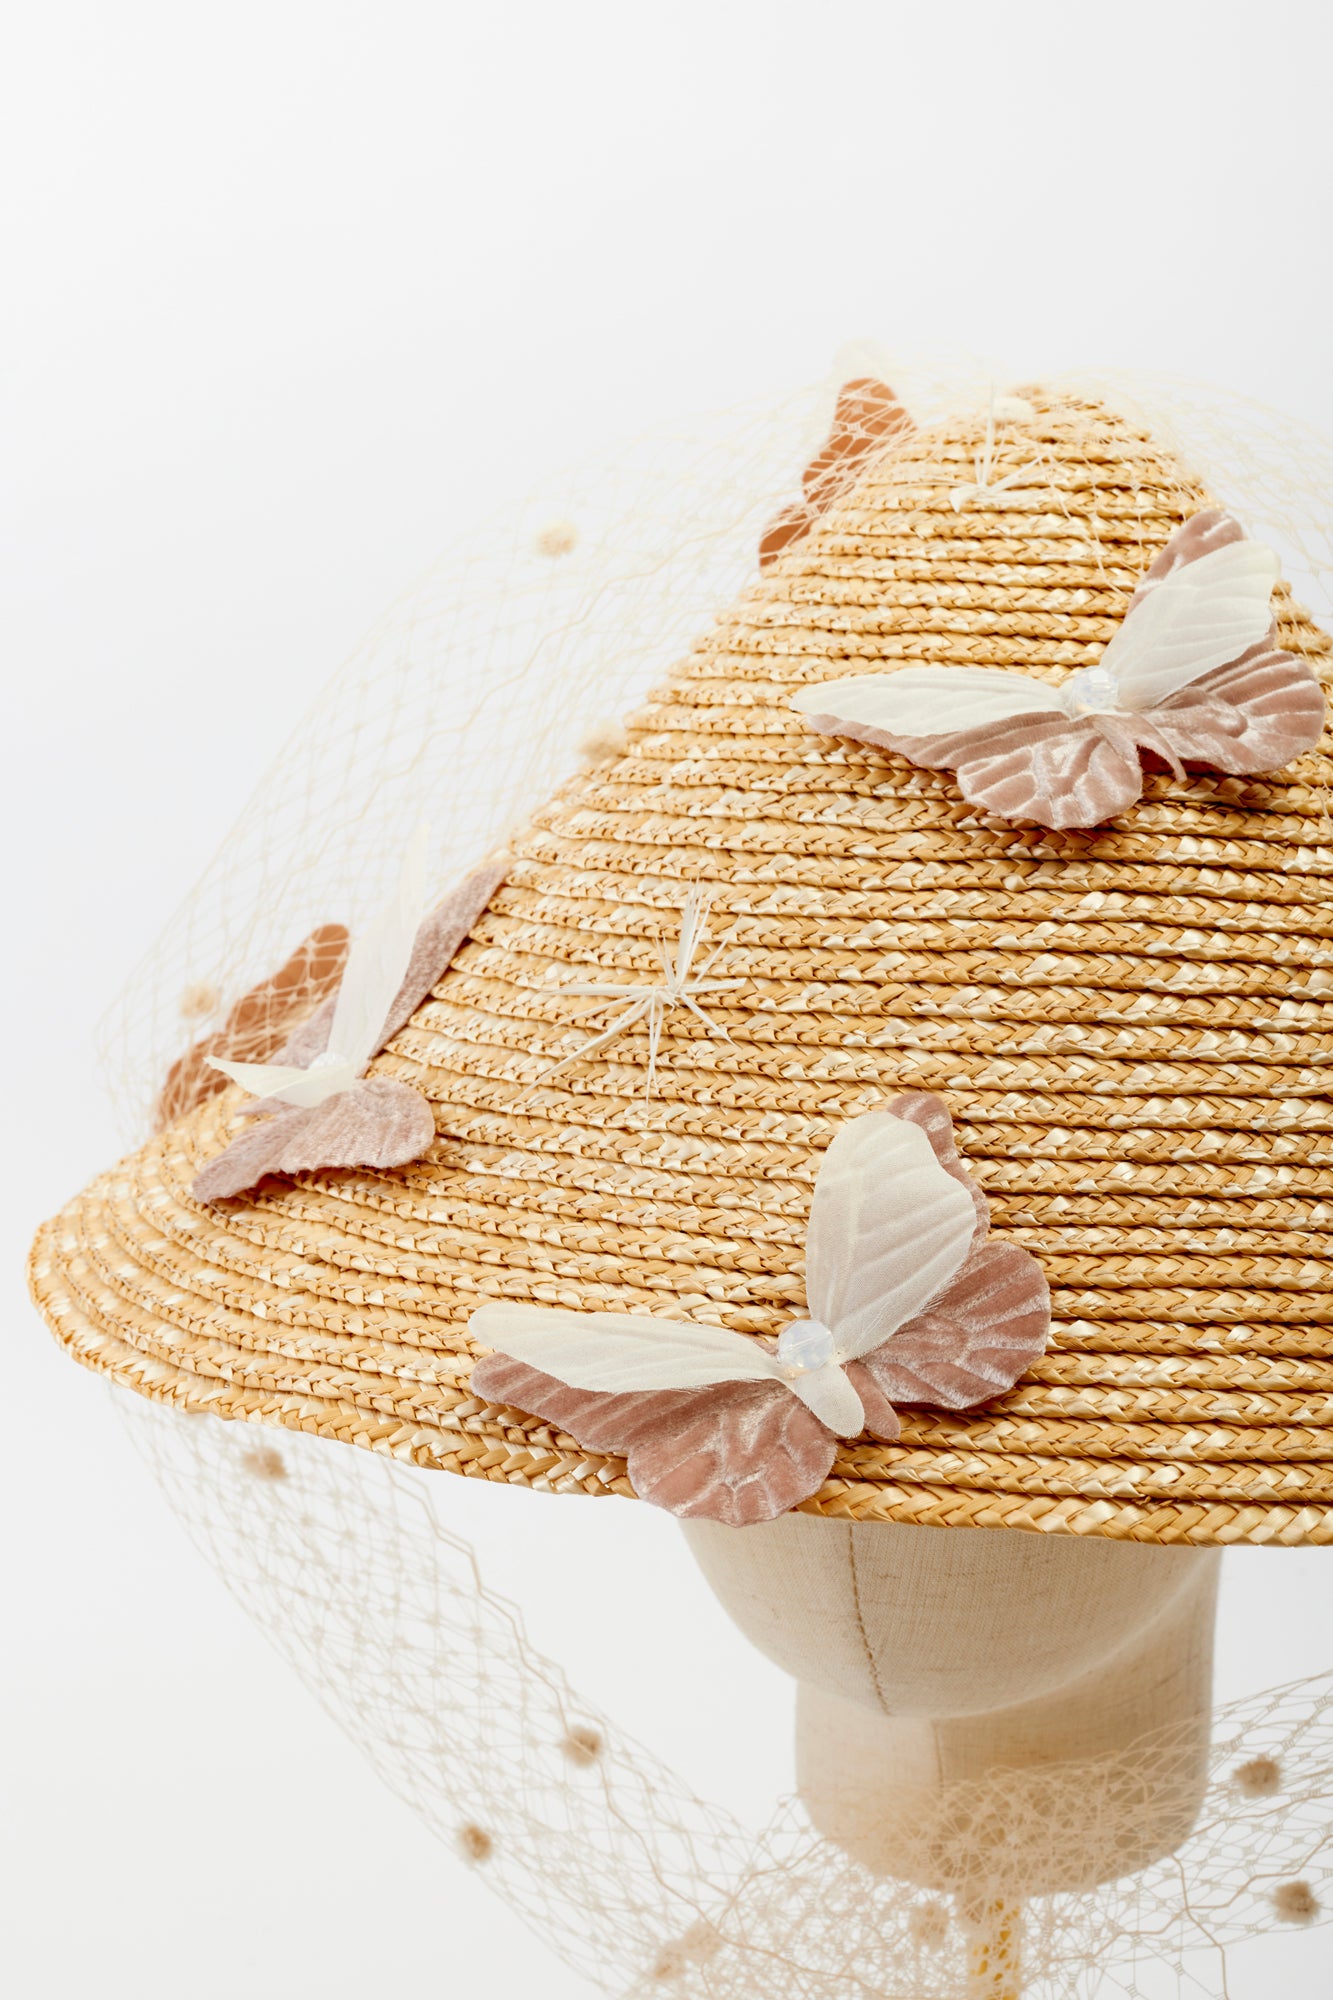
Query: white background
290, 292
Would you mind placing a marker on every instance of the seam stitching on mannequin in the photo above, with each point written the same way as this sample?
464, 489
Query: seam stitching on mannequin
861, 1623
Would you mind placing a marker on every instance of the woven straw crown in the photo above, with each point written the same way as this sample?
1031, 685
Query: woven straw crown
1124, 1022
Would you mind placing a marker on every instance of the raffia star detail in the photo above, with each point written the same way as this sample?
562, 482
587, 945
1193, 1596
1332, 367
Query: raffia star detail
681, 985
1008, 409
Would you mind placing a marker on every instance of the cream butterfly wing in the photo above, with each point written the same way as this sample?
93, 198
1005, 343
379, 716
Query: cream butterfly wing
621, 1354
614, 1354
376, 966
1201, 616
288, 1083
889, 1227
925, 701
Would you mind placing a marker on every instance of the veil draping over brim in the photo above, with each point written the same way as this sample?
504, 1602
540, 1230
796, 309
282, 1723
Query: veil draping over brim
342, 1559
488, 682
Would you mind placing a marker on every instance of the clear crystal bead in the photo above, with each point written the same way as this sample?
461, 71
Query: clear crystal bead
804, 1345
1091, 691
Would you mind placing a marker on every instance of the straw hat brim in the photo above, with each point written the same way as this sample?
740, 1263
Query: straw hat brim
1125, 1023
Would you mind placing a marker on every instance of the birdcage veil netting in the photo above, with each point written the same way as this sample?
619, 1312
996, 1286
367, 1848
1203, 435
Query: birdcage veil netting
643, 1886
487, 685
466, 706
494, 678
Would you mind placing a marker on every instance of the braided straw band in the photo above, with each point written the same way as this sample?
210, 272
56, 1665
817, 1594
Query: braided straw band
1125, 1023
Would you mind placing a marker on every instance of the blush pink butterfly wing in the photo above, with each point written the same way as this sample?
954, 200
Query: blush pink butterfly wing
377, 1123
433, 950
978, 1338
1257, 714
736, 1452
1059, 772
256, 1027
986, 1328
867, 415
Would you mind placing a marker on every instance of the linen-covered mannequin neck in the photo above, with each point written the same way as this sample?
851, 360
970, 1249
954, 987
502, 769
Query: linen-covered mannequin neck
969, 1671
872, 1782
909, 1621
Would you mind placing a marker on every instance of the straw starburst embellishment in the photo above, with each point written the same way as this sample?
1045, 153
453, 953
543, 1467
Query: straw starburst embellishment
681, 985
1005, 409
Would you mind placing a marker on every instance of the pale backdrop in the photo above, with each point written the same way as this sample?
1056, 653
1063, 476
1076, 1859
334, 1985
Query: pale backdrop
292, 291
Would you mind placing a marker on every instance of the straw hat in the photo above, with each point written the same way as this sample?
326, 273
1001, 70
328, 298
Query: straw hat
1124, 1023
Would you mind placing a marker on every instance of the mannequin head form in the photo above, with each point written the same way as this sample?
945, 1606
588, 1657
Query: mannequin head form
929, 1658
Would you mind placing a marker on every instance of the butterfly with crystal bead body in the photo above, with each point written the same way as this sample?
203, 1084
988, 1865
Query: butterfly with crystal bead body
1192, 676
908, 1301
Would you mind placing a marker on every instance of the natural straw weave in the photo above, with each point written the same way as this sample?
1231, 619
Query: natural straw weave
1126, 1024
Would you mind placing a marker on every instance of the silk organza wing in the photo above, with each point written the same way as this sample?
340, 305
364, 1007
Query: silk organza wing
986, 1324
937, 711
734, 1450
434, 948
932, 1116
889, 1229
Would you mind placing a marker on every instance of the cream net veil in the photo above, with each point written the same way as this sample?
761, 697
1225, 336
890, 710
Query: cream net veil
647, 1888
481, 690
491, 679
